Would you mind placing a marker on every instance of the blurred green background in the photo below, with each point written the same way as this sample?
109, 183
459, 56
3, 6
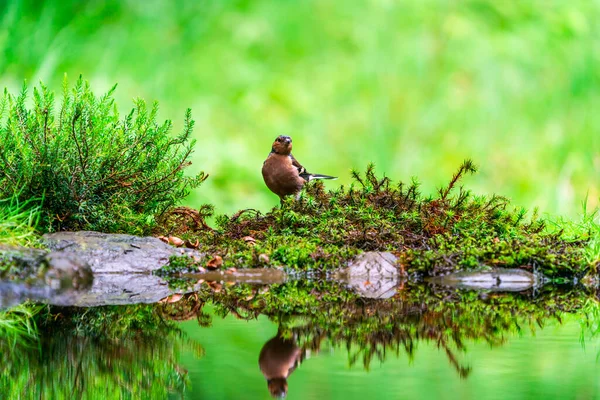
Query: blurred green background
414, 86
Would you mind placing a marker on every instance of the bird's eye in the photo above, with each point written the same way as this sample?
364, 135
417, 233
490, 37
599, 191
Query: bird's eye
279, 139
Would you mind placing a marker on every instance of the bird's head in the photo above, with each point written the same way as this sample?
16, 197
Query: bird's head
278, 388
282, 145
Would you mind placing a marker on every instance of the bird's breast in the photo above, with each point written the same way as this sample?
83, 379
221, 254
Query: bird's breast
281, 176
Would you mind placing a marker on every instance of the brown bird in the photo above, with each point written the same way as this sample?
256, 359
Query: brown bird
282, 173
278, 358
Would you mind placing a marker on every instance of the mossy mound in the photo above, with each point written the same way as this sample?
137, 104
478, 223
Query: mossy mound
433, 235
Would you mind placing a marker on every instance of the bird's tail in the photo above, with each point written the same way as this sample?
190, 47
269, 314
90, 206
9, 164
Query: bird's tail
319, 176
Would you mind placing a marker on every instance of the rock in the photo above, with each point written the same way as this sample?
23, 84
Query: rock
38, 267
12, 294
115, 289
119, 265
21, 263
41, 276
67, 271
372, 274
114, 253
495, 279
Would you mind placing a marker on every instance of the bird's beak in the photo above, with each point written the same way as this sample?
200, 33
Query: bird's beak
288, 140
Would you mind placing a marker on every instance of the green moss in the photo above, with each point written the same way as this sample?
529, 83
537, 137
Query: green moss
452, 230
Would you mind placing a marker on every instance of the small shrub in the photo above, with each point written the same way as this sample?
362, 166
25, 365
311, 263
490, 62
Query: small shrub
94, 169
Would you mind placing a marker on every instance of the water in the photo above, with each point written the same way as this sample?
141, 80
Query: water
552, 363
424, 342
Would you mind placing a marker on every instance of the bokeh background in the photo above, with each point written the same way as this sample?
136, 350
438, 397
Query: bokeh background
413, 86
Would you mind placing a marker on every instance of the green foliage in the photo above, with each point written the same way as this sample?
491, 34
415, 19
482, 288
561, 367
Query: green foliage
587, 227
18, 325
431, 235
125, 352
94, 169
108, 322
18, 221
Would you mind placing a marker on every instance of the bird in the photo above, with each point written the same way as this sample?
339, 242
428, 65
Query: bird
278, 358
283, 174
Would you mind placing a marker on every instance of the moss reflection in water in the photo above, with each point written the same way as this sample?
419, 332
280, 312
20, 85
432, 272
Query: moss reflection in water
137, 351
373, 329
366, 331
102, 352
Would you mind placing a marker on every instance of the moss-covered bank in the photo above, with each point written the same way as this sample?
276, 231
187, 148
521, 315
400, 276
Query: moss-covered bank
91, 169
311, 313
431, 235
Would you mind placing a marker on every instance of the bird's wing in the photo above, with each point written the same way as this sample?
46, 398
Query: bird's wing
304, 174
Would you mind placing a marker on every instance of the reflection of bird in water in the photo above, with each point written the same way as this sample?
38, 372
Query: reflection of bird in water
282, 173
278, 358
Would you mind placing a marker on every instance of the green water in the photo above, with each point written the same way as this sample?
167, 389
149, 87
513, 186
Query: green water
550, 363
412, 358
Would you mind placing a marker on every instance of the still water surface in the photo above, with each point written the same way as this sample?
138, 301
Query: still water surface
423, 343
550, 363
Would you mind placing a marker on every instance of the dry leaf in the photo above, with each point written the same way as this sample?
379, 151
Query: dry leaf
172, 298
191, 245
214, 263
216, 287
175, 241
163, 239
249, 239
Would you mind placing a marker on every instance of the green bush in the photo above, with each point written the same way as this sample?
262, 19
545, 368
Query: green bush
94, 169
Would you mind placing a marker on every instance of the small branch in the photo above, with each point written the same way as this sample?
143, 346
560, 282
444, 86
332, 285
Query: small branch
81, 162
467, 166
